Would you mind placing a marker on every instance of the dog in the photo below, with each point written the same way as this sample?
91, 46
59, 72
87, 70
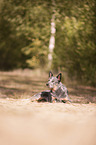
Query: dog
57, 91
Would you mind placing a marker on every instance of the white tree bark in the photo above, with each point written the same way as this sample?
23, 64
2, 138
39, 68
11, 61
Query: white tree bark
52, 38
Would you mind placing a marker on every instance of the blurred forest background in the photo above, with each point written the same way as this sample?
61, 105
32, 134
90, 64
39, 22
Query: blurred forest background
25, 34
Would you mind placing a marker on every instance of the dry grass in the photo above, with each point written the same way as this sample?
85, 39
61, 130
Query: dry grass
29, 123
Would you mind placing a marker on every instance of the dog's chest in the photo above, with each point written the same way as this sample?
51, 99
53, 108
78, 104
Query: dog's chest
60, 91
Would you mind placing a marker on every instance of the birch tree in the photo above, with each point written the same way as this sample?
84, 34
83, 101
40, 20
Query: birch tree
52, 38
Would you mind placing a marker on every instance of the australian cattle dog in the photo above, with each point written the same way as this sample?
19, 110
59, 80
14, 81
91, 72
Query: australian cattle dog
57, 91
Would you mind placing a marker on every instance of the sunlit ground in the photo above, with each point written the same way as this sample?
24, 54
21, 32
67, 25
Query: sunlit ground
30, 123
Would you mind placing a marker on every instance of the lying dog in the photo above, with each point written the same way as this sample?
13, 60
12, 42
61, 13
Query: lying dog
57, 91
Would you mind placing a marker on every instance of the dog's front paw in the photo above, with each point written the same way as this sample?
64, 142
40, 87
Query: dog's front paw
63, 101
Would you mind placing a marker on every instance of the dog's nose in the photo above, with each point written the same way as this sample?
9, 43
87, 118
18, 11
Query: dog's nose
47, 84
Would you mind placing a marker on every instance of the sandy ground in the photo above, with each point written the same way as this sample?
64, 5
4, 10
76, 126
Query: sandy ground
29, 123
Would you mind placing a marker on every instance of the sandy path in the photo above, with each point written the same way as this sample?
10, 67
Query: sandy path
27, 123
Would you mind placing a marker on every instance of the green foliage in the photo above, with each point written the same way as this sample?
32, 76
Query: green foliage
75, 50
25, 33
11, 55
37, 32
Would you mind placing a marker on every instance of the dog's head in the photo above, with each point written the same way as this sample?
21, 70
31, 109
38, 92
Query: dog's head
53, 81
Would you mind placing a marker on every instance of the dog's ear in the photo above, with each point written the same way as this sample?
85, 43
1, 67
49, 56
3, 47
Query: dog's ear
50, 74
59, 77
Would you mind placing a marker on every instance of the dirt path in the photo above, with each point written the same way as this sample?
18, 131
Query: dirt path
29, 123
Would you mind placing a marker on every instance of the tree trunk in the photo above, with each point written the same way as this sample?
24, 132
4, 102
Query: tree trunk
52, 38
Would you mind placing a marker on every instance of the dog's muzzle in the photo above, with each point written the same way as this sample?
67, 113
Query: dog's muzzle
50, 86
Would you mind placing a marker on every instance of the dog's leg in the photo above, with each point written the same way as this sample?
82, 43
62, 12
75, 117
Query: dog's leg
42, 99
